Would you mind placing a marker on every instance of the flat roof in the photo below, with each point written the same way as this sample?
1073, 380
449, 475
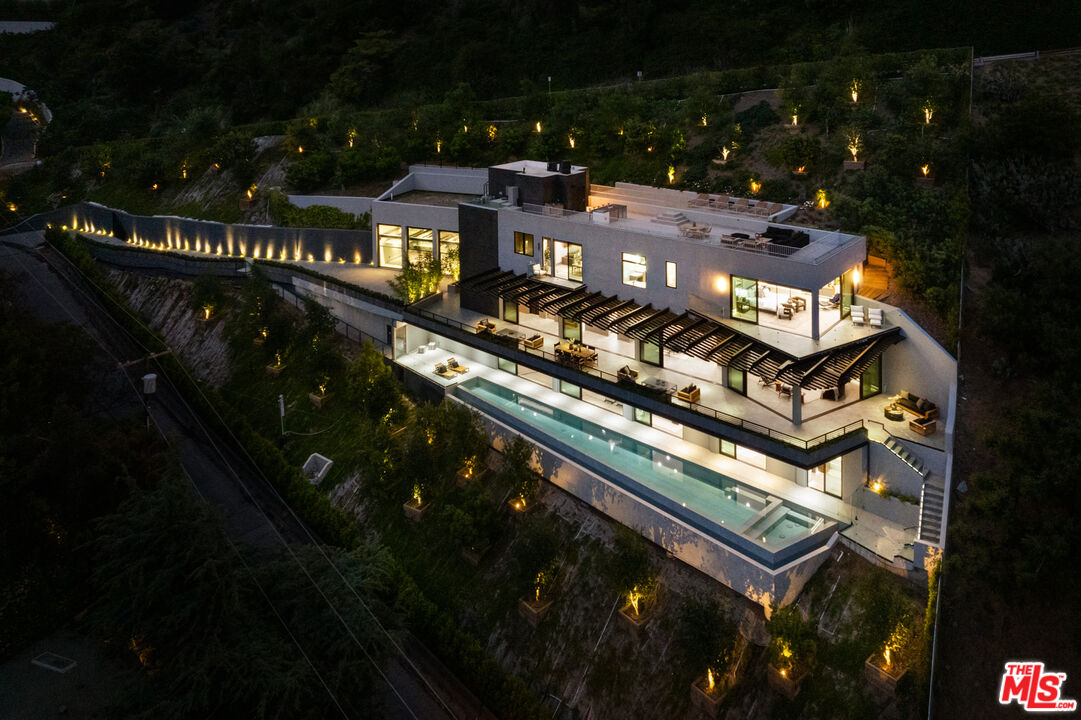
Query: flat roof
535, 167
430, 197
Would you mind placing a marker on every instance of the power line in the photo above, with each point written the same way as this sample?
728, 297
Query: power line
236, 550
314, 541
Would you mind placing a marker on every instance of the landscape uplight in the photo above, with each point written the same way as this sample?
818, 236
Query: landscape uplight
755, 186
928, 112
854, 88
925, 169
821, 199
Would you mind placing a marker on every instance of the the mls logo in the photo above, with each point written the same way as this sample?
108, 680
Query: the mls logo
1036, 691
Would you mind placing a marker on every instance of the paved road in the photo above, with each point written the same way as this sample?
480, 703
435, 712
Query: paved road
217, 468
19, 141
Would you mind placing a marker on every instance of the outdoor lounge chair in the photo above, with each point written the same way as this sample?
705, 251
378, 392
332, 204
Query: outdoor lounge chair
442, 371
923, 426
857, 315
690, 394
874, 317
452, 364
627, 374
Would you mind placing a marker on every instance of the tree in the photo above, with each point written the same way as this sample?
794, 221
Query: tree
793, 647
371, 385
172, 596
705, 635
417, 280
517, 473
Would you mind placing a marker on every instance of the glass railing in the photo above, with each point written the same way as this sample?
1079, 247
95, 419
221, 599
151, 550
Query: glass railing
660, 396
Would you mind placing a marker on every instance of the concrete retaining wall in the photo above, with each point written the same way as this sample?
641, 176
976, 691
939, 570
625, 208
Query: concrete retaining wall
263, 241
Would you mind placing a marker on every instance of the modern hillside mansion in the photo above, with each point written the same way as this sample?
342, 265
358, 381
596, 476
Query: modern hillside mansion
687, 364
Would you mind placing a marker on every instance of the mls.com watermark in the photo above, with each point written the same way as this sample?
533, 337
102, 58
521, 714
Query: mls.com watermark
1029, 686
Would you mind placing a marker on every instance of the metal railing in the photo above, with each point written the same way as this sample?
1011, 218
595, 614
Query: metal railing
662, 396
340, 326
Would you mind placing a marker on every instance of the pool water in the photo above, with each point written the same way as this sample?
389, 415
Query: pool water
765, 520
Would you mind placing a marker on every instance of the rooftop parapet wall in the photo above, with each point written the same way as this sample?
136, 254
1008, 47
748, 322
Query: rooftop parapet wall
468, 181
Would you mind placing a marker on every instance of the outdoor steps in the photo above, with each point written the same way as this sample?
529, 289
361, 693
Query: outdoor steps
674, 218
932, 500
907, 457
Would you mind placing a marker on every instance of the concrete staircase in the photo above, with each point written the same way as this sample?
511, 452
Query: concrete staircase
671, 217
932, 501
907, 457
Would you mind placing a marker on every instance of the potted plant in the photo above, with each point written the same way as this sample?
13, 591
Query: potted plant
791, 650
632, 574
885, 667
533, 607
535, 555
706, 638
416, 506
319, 397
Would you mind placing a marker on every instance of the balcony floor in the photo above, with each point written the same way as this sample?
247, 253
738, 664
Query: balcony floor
762, 404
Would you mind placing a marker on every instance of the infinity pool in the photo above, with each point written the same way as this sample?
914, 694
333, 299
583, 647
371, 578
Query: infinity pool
724, 508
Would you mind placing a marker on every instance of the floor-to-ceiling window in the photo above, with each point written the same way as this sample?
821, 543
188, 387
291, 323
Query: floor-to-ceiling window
390, 245
737, 380
871, 379
448, 253
650, 352
568, 261
826, 478
421, 245
744, 298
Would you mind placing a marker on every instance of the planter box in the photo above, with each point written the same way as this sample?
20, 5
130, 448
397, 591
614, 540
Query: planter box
274, 370
318, 400
707, 702
473, 555
784, 684
415, 512
855, 164
636, 622
883, 680
927, 181
461, 479
532, 610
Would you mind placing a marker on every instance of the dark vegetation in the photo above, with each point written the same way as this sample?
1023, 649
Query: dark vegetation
97, 518
1009, 577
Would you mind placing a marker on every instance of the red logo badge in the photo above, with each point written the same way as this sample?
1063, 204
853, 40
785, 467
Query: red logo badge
1029, 686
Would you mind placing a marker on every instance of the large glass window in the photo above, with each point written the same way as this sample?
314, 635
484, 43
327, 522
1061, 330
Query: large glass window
634, 269
826, 478
846, 293
568, 261
650, 352
448, 253
670, 274
871, 379
421, 241
572, 330
737, 380
728, 448
643, 416
390, 246
510, 312
507, 366
744, 298
546, 254
523, 243
575, 391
